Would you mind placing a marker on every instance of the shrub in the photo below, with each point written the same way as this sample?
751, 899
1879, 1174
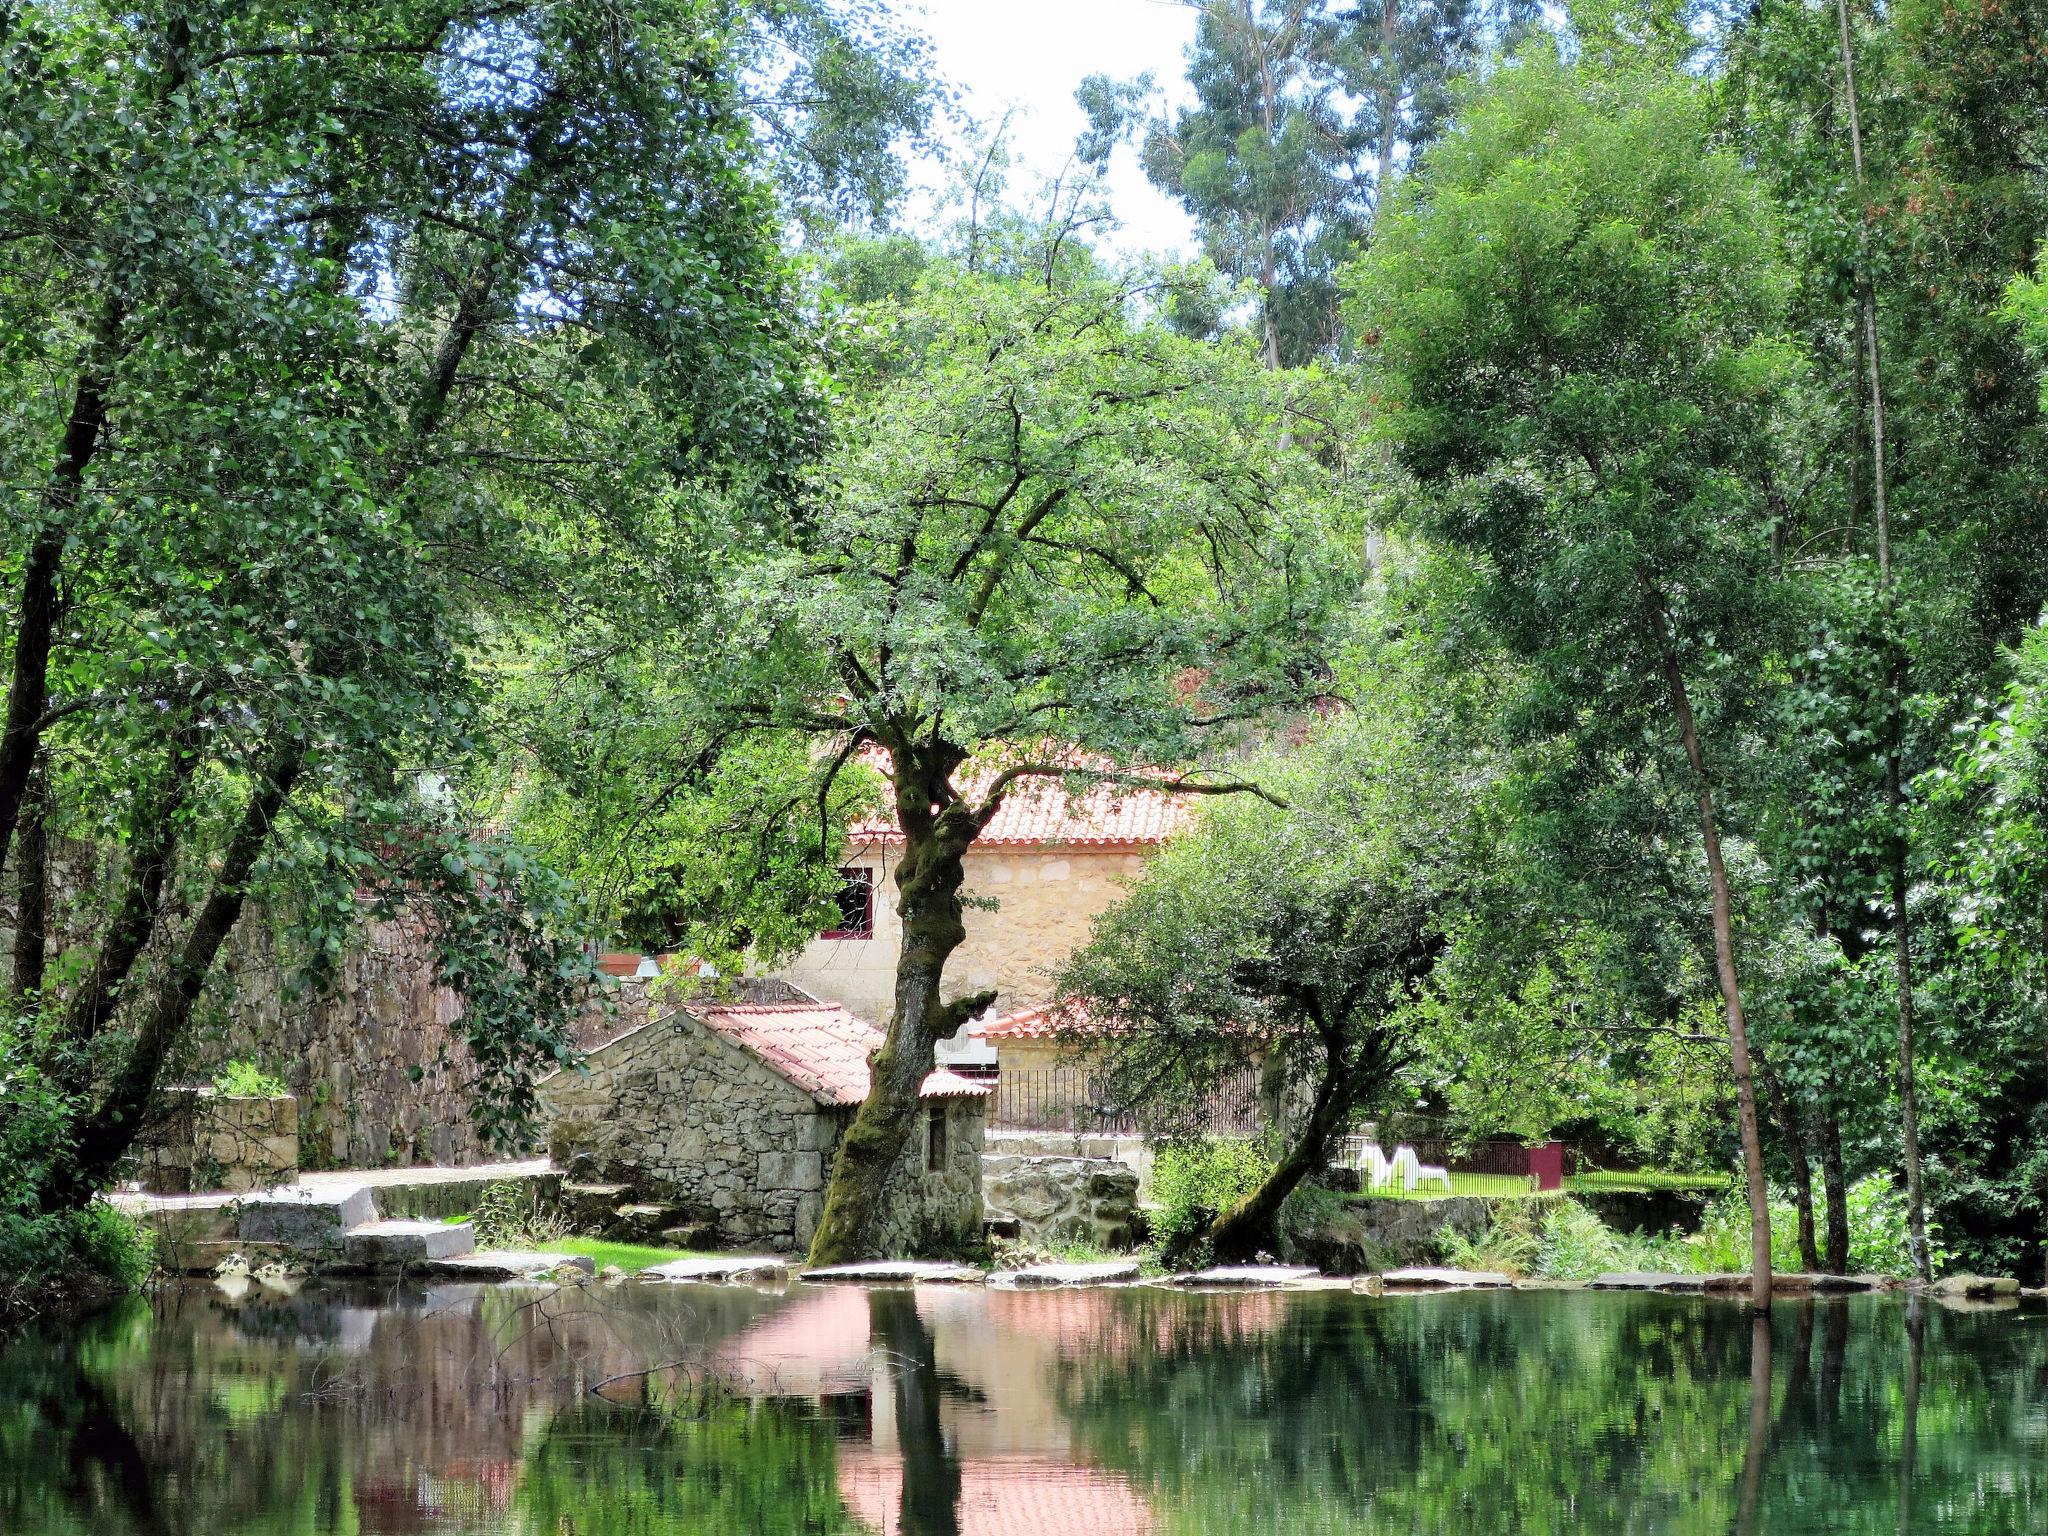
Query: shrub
1194, 1181
246, 1080
1560, 1239
1879, 1233
509, 1215
42, 1254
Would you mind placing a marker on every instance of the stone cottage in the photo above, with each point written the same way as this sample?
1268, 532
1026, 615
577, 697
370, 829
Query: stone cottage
1045, 865
734, 1112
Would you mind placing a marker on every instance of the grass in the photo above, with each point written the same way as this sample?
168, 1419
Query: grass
631, 1257
1483, 1186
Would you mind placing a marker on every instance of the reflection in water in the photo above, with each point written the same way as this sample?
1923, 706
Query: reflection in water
468, 1411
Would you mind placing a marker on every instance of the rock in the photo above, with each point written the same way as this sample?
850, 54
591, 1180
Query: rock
391, 1244
1427, 1278
642, 1222
897, 1271
696, 1237
1117, 1272
1845, 1285
305, 1218
233, 1264
501, 1264
1365, 1236
721, 1271
590, 1207
1050, 1200
1646, 1280
1244, 1277
611, 1274
1976, 1287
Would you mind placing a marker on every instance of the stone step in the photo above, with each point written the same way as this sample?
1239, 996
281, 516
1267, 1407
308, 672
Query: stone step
507, 1264
1113, 1272
722, 1271
303, 1218
389, 1244
897, 1272
694, 1237
1245, 1277
1431, 1278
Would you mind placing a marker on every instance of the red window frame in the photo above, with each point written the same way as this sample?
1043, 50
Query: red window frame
854, 878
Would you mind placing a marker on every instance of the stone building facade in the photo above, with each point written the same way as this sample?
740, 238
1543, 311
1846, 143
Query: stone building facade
1037, 877
734, 1112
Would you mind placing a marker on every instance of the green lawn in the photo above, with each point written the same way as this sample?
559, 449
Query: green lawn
1484, 1186
631, 1257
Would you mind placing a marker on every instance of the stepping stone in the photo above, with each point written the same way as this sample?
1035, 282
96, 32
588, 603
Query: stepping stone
1429, 1278
1844, 1285
1241, 1277
1976, 1287
378, 1244
897, 1271
1113, 1272
305, 1218
756, 1266
504, 1264
1647, 1280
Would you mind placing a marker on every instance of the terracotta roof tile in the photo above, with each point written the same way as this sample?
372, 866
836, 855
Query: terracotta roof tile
1039, 813
1041, 1021
820, 1047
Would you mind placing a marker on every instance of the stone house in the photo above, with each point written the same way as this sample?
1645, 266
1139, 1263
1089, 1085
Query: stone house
1037, 877
734, 1112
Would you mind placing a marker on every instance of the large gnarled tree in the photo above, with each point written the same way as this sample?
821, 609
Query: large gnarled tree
1056, 541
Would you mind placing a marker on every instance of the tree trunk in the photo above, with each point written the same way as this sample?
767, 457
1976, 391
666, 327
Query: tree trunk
1249, 1228
931, 1468
1795, 1154
151, 853
1388, 104
1902, 920
1835, 1189
928, 886
32, 894
112, 1126
1724, 953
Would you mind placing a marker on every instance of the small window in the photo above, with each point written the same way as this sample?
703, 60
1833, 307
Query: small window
935, 1139
856, 904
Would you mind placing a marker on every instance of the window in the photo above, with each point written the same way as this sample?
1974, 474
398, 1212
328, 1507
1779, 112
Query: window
935, 1139
856, 904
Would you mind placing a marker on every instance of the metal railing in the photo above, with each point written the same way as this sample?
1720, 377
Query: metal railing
1075, 1099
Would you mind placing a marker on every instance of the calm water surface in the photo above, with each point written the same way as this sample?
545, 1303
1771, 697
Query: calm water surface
488, 1410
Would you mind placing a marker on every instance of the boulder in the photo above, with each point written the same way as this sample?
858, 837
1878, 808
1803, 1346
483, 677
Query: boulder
1050, 1200
1976, 1287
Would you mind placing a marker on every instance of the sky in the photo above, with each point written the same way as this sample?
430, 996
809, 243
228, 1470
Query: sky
1027, 56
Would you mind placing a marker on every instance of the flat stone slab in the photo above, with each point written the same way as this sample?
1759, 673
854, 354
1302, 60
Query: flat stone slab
1245, 1277
380, 1243
1647, 1280
1976, 1287
305, 1217
505, 1264
753, 1266
897, 1272
1113, 1272
1426, 1277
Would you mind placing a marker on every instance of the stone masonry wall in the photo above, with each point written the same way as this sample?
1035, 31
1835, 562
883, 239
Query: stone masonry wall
1046, 899
1063, 1199
680, 1113
205, 1140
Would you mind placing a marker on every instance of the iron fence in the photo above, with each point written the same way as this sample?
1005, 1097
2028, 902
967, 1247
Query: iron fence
1075, 1099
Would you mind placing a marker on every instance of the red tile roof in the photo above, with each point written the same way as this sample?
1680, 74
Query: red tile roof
1039, 813
1041, 1021
1008, 1497
821, 1048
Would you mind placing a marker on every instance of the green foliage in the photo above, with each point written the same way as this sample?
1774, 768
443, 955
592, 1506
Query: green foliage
1560, 1239
244, 1079
511, 1214
1192, 1181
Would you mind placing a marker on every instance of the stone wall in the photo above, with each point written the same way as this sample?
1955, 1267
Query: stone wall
203, 1141
682, 1114
1062, 1199
1045, 901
